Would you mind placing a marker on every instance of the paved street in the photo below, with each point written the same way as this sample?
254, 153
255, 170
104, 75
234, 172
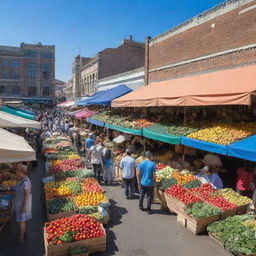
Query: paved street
130, 232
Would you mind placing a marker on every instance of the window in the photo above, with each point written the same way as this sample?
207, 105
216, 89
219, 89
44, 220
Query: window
31, 72
31, 91
29, 53
5, 69
46, 55
15, 90
3, 90
46, 91
15, 65
46, 70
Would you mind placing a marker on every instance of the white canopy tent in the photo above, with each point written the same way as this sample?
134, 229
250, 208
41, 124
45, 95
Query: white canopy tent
9, 120
14, 148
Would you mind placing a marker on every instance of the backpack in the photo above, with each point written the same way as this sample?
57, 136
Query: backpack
107, 154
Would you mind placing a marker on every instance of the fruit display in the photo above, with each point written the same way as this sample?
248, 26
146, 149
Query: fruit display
183, 178
205, 191
60, 205
236, 237
224, 134
67, 165
127, 121
74, 228
160, 166
202, 210
234, 197
97, 215
163, 158
89, 199
91, 185
221, 203
10, 183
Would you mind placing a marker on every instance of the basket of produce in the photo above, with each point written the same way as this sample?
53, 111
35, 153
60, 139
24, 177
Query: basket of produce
89, 199
78, 251
59, 208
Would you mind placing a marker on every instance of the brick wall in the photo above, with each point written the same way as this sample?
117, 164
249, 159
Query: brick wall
232, 30
127, 57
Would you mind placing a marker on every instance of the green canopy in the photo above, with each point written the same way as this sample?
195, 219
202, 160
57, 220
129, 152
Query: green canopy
123, 129
160, 135
18, 112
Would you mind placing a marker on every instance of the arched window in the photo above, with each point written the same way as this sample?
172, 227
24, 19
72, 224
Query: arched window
31, 71
46, 71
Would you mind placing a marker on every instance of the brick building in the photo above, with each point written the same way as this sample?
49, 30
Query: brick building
27, 72
128, 56
221, 37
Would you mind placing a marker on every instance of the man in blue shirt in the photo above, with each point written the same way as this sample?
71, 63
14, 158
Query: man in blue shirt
146, 179
88, 143
128, 165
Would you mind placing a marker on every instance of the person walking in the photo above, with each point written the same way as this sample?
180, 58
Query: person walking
96, 159
108, 163
146, 178
23, 200
128, 166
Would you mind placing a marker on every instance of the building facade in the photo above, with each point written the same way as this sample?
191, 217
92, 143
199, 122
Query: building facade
221, 37
134, 79
27, 71
128, 56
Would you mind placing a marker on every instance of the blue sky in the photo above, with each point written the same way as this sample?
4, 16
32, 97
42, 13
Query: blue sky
90, 25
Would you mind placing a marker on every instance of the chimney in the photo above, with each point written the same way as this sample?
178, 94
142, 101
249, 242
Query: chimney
130, 37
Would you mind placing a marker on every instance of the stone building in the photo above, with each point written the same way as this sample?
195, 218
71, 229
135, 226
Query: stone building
27, 72
134, 79
128, 56
221, 37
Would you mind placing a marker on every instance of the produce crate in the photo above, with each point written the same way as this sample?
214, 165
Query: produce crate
173, 204
227, 213
242, 209
162, 199
181, 219
215, 239
199, 225
94, 245
59, 215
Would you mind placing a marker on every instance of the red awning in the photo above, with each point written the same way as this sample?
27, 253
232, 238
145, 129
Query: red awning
84, 113
224, 87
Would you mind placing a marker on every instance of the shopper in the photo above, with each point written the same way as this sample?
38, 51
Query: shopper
146, 178
23, 200
108, 164
244, 184
96, 160
128, 166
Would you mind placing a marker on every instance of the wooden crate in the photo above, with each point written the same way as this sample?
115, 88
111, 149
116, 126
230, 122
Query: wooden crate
215, 239
59, 215
242, 209
227, 213
199, 225
94, 245
182, 220
171, 203
162, 199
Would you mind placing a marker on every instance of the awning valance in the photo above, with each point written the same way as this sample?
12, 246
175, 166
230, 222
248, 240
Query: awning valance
18, 112
84, 113
14, 148
9, 120
224, 87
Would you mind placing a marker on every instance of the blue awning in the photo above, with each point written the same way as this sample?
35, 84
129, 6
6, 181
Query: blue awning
18, 112
109, 95
95, 122
245, 149
85, 102
206, 146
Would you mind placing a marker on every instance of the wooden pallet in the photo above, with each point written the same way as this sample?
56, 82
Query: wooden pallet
94, 245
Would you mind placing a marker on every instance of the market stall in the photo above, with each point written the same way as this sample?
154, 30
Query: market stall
86, 101
18, 112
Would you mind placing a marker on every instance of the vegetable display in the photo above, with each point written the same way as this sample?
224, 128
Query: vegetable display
91, 185
74, 228
202, 209
236, 237
193, 184
60, 205
167, 184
